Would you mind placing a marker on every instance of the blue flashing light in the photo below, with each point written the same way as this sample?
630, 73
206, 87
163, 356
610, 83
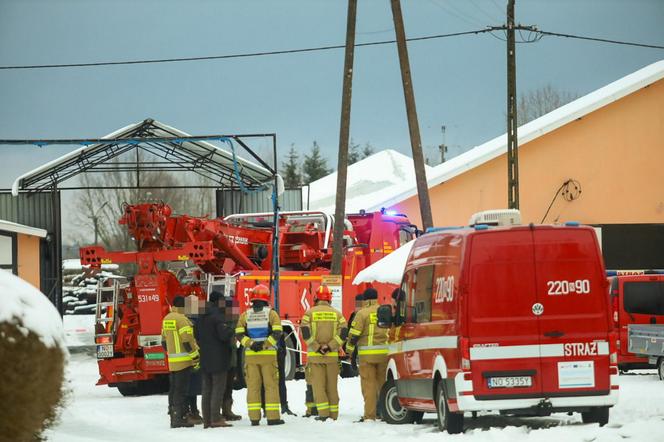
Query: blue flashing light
481, 227
572, 224
391, 213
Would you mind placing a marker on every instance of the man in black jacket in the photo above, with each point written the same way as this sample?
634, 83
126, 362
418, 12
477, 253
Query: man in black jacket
214, 335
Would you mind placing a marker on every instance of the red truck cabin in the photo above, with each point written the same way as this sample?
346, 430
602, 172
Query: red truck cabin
509, 319
636, 299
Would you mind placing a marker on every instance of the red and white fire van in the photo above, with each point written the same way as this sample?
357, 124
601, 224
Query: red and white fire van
512, 319
637, 297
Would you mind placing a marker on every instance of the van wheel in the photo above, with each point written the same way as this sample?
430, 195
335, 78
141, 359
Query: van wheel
660, 368
391, 409
598, 415
447, 421
290, 361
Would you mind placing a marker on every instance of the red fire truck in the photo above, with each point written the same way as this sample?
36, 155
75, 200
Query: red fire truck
230, 255
513, 319
637, 297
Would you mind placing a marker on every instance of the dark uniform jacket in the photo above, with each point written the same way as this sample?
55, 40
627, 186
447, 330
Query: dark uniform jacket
214, 336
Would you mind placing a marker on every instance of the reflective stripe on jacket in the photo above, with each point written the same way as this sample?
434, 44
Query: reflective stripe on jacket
365, 333
252, 323
181, 347
325, 325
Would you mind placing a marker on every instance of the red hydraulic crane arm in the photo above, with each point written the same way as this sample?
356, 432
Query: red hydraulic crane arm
95, 256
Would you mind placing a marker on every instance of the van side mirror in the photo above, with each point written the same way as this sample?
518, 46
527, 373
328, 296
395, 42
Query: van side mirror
384, 315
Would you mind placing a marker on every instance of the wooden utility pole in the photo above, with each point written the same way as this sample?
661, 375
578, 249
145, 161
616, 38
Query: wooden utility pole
411, 111
512, 137
344, 136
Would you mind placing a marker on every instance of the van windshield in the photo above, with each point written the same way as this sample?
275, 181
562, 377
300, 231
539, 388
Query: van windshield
644, 297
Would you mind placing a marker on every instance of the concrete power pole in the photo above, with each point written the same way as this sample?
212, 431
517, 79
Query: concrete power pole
344, 135
411, 111
512, 137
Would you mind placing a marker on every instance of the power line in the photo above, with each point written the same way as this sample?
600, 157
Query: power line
603, 40
489, 30
245, 55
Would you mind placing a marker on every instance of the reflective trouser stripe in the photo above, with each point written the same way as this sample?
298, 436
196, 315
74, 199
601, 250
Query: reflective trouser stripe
254, 406
323, 406
276, 407
372, 349
260, 353
315, 354
334, 408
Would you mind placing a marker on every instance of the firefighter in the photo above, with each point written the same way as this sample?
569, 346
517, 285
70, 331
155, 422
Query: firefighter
258, 330
324, 329
178, 340
371, 343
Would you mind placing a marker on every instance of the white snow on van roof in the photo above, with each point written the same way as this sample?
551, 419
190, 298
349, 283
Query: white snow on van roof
389, 269
528, 132
383, 172
27, 307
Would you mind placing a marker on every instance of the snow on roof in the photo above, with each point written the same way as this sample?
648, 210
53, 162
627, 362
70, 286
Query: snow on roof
30, 309
528, 132
389, 269
380, 173
162, 130
9, 226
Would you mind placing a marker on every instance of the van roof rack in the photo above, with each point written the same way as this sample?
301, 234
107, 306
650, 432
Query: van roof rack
501, 217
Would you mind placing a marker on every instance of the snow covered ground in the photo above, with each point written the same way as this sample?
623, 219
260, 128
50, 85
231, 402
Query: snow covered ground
101, 414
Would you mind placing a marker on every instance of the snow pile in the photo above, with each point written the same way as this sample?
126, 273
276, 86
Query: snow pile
27, 307
637, 417
79, 285
368, 180
388, 269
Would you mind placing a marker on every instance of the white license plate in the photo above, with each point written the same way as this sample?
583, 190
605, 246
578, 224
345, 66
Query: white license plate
511, 382
104, 351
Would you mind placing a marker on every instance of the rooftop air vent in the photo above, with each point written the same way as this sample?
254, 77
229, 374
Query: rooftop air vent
503, 217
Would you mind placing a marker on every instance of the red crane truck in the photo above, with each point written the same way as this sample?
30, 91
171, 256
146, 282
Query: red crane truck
512, 319
231, 255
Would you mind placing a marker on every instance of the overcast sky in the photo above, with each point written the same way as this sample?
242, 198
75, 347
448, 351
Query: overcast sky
459, 82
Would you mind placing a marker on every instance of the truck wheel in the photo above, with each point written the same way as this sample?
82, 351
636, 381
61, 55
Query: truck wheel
599, 415
290, 361
127, 388
391, 409
447, 421
660, 368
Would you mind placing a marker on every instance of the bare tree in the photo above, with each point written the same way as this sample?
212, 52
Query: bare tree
106, 188
537, 102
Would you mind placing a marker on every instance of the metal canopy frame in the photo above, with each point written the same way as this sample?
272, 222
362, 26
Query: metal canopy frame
175, 150
170, 150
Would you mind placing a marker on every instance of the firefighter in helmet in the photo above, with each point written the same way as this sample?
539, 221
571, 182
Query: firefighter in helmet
258, 330
371, 343
324, 330
177, 334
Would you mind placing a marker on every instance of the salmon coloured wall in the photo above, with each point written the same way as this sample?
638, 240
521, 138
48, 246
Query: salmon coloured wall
616, 153
29, 259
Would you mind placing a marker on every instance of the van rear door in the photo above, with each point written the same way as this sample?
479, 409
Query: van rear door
574, 323
502, 328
